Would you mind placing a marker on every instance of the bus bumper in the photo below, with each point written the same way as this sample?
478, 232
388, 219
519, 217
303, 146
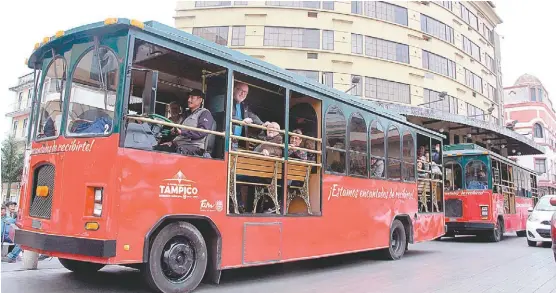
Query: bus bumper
65, 244
468, 227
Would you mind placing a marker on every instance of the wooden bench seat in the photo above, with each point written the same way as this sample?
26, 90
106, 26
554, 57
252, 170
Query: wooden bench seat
270, 170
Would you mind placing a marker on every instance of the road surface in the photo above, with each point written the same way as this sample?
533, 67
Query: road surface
463, 264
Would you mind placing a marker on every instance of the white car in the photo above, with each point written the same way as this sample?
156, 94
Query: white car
538, 222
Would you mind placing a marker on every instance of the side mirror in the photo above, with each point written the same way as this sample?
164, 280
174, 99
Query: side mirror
553, 201
530, 209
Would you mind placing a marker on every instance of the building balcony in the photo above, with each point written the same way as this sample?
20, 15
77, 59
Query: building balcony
23, 82
19, 110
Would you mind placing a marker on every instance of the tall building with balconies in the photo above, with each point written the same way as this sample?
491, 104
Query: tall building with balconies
529, 109
19, 112
440, 55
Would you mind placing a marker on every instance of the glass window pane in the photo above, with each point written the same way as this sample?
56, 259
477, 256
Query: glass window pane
94, 85
50, 118
335, 140
357, 146
377, 149
476, 175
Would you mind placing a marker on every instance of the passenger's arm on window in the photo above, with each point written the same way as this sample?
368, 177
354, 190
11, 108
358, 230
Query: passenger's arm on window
205, 122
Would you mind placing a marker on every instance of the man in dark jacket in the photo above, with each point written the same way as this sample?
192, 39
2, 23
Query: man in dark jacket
241, 111
190, 142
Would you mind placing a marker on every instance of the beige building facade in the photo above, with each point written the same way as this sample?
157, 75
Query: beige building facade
397, 52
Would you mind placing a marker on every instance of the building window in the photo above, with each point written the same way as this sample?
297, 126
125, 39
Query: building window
471, 48
492, 95
302, 4
540, 95
475, 112
310, 74
386, 90
473, 81
238, 36
487, 33
29, 97
439, 64
540, 165
292, 37
468, 17
448, 105
24, 130
533, 92
445, 4
380, 10
357, 89
328, 78
436, 28
19, 101
327, 40
328, 5
212, 3
489, 63
386, 49
14, 127
537, 131
356, 44
216, 34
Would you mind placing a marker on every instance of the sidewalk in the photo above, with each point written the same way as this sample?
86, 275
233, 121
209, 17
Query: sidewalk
49, 263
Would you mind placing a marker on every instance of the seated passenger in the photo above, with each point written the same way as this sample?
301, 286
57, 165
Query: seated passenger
189, 142
271, 136
176, 114
377, 167
296, 141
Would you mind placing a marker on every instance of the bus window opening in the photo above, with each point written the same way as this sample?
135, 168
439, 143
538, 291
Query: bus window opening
93, 93
53, 92
476, 175
453, 178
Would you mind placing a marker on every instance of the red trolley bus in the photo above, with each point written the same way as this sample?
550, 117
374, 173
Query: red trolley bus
117, 174
485, 193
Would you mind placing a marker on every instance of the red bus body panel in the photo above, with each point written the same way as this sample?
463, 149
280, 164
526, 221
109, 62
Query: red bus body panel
473, 200
143, 187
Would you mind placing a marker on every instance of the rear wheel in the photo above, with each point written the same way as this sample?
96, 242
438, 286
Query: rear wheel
521, 233
531, 243
80, 267
177, 259
398, 242
496, 235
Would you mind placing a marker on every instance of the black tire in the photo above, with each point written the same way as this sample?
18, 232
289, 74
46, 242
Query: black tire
497, 234
521, 233
177, 259
397, 242
531, 243
80, 267
547, 244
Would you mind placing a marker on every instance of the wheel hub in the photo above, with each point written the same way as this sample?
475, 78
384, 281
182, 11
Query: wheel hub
178, 259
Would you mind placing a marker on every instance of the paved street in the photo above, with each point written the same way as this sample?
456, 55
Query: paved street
451, 265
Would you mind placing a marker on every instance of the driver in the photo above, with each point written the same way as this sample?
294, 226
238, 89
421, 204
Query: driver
190, 142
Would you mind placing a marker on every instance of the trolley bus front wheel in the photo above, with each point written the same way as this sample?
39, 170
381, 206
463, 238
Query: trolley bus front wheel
177, 259
397, 243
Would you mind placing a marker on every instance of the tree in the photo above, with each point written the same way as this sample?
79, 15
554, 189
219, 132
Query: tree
12, 163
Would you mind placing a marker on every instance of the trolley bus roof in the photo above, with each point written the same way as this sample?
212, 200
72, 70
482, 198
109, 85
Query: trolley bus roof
471, 149
194, 42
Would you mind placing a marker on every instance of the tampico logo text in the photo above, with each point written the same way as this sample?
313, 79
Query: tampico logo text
179, 187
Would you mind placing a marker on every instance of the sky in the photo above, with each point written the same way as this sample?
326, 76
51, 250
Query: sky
525, 31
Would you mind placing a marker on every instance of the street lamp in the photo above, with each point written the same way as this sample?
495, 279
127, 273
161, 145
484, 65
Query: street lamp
441, 97
354, 80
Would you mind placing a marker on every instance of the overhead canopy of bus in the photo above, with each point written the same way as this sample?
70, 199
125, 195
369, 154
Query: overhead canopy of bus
112, 25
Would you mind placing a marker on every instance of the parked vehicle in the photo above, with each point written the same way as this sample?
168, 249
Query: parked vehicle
553, 229
538, 222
